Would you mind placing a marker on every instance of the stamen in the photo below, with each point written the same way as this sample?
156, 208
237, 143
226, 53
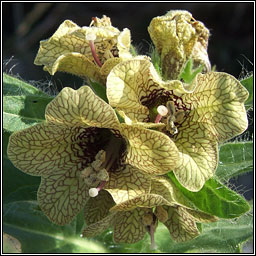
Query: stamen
179, 116
162, 111
93, 192
153, 245
91, 37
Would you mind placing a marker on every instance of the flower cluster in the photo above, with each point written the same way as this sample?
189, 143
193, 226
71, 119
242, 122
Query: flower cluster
111, 158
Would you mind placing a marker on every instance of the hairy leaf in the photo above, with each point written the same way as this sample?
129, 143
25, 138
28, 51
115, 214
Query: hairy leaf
234, 159
216, 199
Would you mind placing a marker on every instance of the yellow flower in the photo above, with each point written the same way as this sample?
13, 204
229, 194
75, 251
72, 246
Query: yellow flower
85, 51
133, 215
78, 146
196, 117
178, 37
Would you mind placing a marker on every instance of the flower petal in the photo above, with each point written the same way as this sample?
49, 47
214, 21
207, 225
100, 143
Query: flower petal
124, 83
108, 65
60, 43
47, 148
124, 44
61, 196
68, 50
97, 208
76, 64
69, 38
81, 108
144, 200
198, 154
128, 226
127, 183
133, 84
199, 216
167, 189
180, 224
150, 151
100, 226
218, 100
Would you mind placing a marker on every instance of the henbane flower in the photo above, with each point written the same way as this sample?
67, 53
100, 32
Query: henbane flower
78, 146
85, 51
134, 215
178, 37
197, 116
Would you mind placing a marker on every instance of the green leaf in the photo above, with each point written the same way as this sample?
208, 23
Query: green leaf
23, 193
14, 86
188, 73
234, 159
216, 199
23, 104
99, 90
248, 84
224, 236
25, 221
21, 112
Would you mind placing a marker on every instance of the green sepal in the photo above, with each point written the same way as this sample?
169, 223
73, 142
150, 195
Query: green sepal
188, 73
235, 158
248, 84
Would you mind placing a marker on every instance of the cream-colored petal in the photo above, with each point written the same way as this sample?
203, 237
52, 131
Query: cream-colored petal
128, 226
100, 226
134, 85
55, 46
124, 44
47, 148
61, 196
144, 200
181, 226
97, 208
127, 183
167, 189
124, 83
150, 151
108, 65
63, 41
68, 50
198, 154
76, 64
81, 108
218, 100
199, 216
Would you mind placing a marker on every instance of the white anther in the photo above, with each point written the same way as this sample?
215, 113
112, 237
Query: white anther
162, 110
90, 36
93, 192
